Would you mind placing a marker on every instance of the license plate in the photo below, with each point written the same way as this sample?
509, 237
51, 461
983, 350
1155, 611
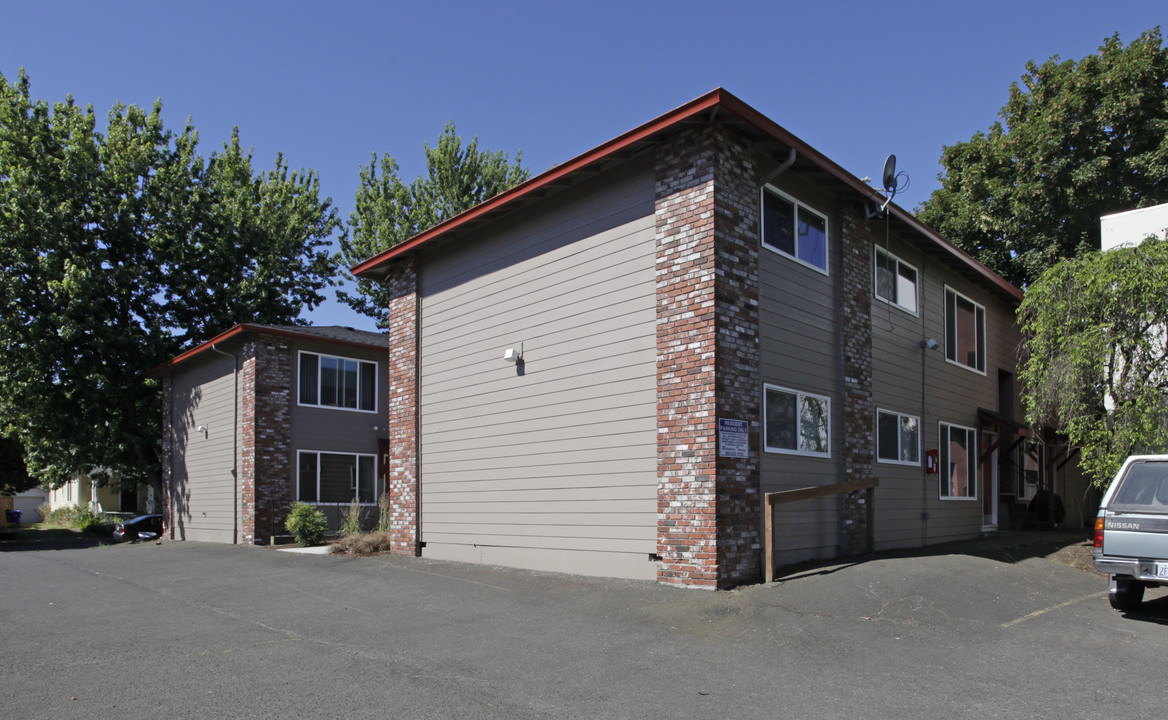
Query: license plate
1156, 570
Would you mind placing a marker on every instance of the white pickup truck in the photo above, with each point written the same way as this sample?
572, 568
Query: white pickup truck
1131, 531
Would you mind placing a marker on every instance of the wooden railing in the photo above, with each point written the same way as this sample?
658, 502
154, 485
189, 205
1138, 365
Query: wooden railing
787, 496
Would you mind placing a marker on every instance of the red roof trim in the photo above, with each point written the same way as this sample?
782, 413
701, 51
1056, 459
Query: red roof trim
259, 330
694, 107
715, 98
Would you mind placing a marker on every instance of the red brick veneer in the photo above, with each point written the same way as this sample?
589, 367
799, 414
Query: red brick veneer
265, 473
707, 358
403, 409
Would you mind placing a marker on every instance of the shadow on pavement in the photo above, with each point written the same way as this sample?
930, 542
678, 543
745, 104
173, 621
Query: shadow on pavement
33, 538
1068, 547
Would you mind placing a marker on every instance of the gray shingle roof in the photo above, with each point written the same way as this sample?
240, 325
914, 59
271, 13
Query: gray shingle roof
332, 332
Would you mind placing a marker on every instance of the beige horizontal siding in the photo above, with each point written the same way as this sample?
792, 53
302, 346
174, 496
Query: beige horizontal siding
203, 495
554, 468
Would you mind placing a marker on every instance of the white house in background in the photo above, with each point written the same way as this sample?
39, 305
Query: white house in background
84, 491
1133, 226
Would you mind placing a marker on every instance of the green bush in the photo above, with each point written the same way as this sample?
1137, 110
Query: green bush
307, 523
78, 517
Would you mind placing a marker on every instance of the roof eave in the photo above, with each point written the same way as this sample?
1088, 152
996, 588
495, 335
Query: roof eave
376, 267
259, 330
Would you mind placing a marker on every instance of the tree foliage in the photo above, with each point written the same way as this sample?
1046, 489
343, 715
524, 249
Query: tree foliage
14, 475
1095, 356
389, 211
119, 247
1075, 141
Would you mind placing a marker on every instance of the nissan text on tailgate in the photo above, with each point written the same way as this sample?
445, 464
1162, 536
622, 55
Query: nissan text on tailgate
1131, 532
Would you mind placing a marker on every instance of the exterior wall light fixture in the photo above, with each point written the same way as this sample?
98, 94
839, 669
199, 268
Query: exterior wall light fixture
513, 355
930, 344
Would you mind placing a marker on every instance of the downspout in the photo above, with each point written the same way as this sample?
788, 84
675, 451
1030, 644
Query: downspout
235, 500
925, 465
780, 169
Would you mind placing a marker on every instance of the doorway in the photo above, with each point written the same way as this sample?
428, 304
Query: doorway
988, 474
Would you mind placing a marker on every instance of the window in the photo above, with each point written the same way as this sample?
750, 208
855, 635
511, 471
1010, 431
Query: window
898, 438
958, 456
336, 478
792, 228
796, 422
964, 331
338, 382
896, 282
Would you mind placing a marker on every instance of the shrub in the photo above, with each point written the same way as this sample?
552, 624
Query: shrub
77, 517
365, 544
307, 523
351, 524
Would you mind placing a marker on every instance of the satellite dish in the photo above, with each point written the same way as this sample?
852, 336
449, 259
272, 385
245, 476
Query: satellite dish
890, 174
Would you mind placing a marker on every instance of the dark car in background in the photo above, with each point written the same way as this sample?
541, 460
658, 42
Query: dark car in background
1131, 531
143, 527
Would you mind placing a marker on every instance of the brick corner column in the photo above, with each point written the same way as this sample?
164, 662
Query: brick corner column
687, 531
859, 441
739, 380
403, 471
265, 482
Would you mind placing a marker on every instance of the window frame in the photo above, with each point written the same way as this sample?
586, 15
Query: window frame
800, 395
319, 356
915, 309
899, 447
943, 441
978, 310
377, 491
798, 206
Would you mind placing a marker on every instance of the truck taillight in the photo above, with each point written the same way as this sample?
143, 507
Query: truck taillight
1098, 532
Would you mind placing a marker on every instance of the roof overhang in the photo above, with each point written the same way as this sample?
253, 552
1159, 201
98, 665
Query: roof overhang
244, 328
716, 102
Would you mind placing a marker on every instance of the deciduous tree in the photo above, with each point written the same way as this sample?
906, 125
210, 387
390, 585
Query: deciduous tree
1095, 357
117, 248
389, 212
1076, 140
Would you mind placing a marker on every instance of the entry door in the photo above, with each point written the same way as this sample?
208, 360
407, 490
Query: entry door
989, 484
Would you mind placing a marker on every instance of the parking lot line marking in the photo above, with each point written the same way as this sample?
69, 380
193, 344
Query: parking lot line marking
1061, 605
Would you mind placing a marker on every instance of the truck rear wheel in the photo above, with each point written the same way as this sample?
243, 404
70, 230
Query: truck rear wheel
1125, 593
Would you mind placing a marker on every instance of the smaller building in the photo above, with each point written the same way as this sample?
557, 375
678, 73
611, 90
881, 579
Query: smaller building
264, 415
1133, 226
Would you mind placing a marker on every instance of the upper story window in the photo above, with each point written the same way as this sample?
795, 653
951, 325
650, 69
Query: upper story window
964, 331
792, 228
338, 382
796, 422
896, 281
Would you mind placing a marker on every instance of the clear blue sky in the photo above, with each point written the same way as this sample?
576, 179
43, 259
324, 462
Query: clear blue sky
329, 83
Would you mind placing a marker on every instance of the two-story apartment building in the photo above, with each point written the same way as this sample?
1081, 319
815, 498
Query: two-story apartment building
605, 369
261, 416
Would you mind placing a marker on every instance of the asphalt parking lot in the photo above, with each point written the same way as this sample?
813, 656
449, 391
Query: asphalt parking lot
197, 630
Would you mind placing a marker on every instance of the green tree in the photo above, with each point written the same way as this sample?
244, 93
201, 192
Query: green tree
14, 475
1095, 356
1075, 141
389, 212
118, 248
